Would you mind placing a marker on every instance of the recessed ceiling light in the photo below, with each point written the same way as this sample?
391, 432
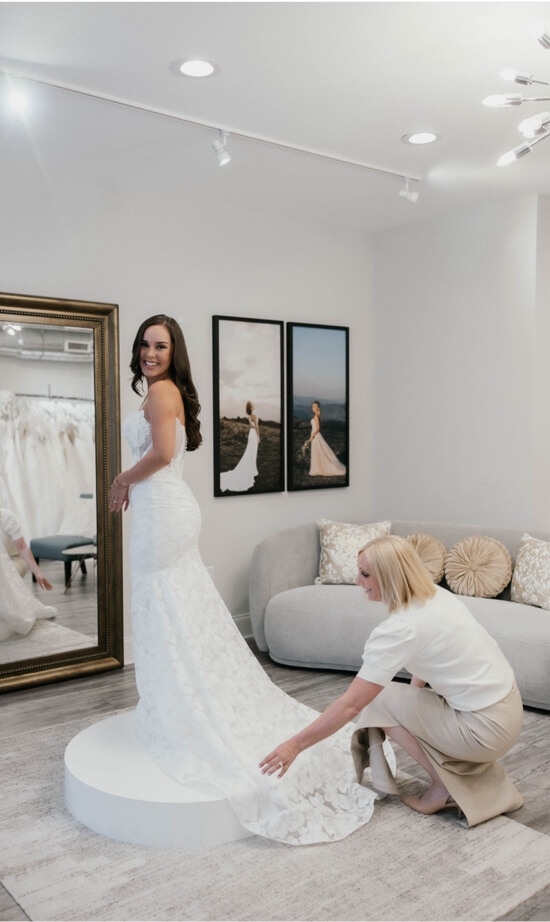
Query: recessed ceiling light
195, 67
421, 137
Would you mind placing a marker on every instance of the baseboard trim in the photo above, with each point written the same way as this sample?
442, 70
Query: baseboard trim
244, 623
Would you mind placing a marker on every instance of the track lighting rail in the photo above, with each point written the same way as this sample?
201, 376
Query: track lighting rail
220, 129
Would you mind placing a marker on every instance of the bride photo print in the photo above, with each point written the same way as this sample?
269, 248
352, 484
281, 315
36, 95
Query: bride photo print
248, 406
317, 406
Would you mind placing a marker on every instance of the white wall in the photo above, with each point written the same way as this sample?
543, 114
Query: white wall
448, 378
461, 329
540, 500
149, 250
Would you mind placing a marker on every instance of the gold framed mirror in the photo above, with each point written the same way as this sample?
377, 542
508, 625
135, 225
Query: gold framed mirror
59, 452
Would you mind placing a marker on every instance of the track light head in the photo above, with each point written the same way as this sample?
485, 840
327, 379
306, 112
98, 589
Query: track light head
11, 328
410, 194
220, 149
544, 39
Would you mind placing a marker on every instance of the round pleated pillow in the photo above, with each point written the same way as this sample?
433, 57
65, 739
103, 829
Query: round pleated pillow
432, 553
478, 566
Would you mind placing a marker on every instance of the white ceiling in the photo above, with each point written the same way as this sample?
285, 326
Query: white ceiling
345, 78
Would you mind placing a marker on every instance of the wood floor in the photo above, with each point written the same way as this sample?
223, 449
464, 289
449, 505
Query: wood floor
528, 763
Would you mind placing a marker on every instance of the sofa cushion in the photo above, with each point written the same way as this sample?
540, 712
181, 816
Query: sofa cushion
322, 627
523, 635
432, 553
531, 579
478, 566
340, 544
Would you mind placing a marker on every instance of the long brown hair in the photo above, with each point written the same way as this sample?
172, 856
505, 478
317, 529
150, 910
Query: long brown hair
180, 373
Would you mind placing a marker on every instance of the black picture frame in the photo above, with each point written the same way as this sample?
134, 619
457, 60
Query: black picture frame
317, 373
248, 367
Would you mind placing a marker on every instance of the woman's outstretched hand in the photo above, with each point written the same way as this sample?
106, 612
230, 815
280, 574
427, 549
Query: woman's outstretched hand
280, 759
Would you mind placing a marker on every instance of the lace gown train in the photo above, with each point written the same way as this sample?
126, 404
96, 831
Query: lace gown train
207, 711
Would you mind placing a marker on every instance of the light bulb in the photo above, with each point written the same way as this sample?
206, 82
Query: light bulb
514, 77
531, 127
514, 99
514, 154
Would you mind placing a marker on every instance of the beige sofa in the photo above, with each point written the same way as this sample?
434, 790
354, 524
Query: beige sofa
325, 626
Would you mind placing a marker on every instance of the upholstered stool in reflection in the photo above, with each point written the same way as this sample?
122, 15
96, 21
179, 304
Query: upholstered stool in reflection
51, 547
76, 556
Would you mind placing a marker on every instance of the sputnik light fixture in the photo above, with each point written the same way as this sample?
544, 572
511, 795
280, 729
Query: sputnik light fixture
533, 129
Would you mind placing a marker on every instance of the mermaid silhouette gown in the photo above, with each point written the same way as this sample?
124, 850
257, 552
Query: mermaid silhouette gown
242, 477
323, 461
207, 712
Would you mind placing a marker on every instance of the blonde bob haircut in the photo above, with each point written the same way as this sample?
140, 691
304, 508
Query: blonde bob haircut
402, 576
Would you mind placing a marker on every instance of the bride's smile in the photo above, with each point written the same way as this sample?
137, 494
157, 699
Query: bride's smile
155, 353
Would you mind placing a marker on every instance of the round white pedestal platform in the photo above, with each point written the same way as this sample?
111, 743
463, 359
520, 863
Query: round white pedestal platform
113, 786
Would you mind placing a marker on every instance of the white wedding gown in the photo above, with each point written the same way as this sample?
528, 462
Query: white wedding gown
207, 711
242, 477
19, 608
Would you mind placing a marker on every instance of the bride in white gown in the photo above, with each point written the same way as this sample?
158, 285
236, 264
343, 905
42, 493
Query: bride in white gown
207, 711
19, 607
242, 477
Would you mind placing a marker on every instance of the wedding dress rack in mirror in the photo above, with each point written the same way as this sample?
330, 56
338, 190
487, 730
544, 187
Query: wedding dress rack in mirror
60, 617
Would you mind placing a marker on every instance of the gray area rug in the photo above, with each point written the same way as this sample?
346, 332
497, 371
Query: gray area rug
400, 866
45, 637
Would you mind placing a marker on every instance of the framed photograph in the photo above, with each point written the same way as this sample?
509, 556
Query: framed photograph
248, 406
317, 406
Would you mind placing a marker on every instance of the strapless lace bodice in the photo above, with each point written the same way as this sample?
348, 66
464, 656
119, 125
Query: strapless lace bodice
137, 432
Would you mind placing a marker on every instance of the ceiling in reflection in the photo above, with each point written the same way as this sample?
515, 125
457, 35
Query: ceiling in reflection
35, 342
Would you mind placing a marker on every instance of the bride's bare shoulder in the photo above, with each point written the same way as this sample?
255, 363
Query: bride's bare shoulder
163, 397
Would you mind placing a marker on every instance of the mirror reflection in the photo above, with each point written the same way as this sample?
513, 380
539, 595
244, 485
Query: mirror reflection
48, 513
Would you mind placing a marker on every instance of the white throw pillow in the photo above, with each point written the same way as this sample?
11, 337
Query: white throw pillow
531, 579
340, 544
